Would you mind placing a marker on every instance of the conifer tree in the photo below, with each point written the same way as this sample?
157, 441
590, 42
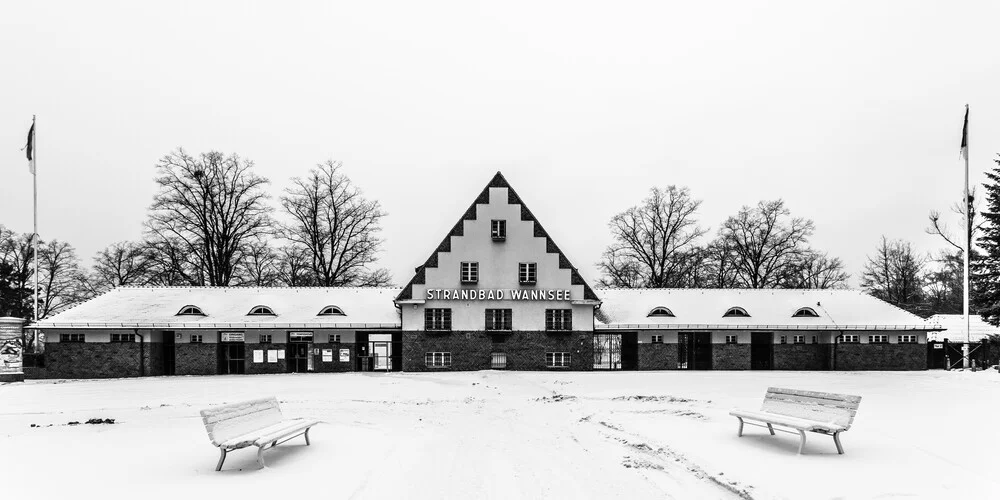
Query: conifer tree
986, 269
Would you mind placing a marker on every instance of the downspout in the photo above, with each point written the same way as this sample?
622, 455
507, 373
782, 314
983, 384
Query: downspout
142, 353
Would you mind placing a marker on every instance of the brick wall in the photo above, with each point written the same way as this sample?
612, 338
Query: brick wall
196, 359
472, 350
802, 357
731, 356
879, 356
336, 365
92, 360
281, 366
657, 356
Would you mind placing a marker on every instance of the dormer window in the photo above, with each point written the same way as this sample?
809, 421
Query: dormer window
660, 312
261, 311
190, 311
332, 311
498, 230
736, 312
805, 312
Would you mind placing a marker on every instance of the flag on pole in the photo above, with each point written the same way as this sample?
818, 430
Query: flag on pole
30, 147
965, 134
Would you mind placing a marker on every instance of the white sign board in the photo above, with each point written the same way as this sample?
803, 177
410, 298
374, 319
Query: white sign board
232, 336
272, 356
327, 355
258, 355
345, 355
281, 354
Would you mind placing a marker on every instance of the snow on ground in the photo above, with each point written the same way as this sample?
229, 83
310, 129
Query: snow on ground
490, 434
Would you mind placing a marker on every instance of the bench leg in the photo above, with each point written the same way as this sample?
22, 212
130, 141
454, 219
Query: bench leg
739, 433
771, 429
307, 437
260, 457
802, 441
836, 439
222, 458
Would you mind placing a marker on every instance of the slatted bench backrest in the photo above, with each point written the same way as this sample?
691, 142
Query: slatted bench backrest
228, 421
818, 406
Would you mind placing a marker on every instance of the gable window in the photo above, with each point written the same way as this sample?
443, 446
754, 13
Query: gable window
334, 338
190, 311
265, 338
660, 312
437, 359
906, 339
196, 338
849, 339
470, 272
261, 311
799, 339
499, 319
805, 312
527, 273
657, 339
437, 319
557, 359
332, 311
731, 339
498, 230
121, 338
736, 312
878, 339
558, 319
71, 337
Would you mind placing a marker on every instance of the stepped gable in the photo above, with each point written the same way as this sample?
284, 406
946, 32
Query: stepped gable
498, 181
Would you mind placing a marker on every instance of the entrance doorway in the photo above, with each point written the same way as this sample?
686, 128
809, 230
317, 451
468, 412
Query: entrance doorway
380, 349
232, 358
299, 352
761, 350
607, 351
169, 354
694, 351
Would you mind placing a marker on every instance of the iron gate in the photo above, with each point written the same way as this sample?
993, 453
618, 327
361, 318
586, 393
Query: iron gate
607, 351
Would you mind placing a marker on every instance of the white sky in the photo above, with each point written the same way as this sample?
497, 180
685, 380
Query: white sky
851, 111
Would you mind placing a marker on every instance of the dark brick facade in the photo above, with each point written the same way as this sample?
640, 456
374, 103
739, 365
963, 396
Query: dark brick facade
730, 356
336, 365
657, 356
879, 356
472, 350
802, 356
94, 360
197, 359
281, 366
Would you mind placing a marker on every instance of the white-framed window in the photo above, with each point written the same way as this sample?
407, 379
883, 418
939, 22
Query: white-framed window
71, 337
878, 339
121, 338
805, 312
265, 338
799, 339
332, 311
815, 339
470, 272
783, 339
849, 339
558, 319
731, 339
657, 339
437, 359
660, 312
557, 359
499, 319
527, 273
190, 311
498, 360
261, 311
334, 338
736, 312
906, 339
437, 319
197, 338
498, 229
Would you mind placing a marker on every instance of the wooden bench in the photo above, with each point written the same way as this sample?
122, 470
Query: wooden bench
251, 423
821, 412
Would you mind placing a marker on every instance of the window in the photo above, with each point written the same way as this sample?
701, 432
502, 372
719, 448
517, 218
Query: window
265, 338
334, 338
660, 312
783, 339
849, 339
437, 319
437, 359
71, 337
558, 319
878, 339
799, 339
196, 338
190, 311
121, 338
736, 312
261, 311
498, 360
731, 339
557, 359
527, 273
906, 339
657, 339
498, 319
805, 312
815, 339
332, 311
498, 230
470, 272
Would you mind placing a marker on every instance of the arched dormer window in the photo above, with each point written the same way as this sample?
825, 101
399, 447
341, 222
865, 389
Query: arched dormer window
660, 312
261, 311
805, 312
736, 312
190, 310
332, 311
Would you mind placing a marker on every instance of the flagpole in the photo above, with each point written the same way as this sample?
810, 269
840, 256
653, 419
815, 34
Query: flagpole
968, 244
34, 178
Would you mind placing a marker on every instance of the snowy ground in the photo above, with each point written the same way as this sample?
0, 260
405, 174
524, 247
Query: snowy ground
506, 435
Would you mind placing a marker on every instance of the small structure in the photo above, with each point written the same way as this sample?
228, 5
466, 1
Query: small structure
11, 349
953, 328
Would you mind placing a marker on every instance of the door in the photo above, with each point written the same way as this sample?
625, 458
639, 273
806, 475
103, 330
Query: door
694, 351
630, 351
761, 350
298, 356
380, 348
607, 351
232, 358
169, 354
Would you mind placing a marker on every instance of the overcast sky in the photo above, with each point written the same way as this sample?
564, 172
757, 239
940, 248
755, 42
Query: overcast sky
851, 112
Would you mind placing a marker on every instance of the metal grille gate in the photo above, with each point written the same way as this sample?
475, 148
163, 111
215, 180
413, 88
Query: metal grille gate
607, 351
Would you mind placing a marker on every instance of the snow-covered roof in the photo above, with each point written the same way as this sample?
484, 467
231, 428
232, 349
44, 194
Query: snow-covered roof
953, 328
227, 307
768, 308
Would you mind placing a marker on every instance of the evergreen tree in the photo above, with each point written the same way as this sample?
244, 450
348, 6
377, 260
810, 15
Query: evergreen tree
986, 269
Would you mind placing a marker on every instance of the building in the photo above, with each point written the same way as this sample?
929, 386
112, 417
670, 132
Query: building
497, 293
952, 327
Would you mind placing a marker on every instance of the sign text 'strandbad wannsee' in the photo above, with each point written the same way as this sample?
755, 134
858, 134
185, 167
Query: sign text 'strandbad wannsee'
497, 294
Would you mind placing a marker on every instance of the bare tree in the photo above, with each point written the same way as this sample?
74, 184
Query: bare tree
766, 242
121, 264
16, 269
204, 214
336, 226
946, 283
653, 242
293, 266
895, 275
816, 270
60, 280
261, 265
